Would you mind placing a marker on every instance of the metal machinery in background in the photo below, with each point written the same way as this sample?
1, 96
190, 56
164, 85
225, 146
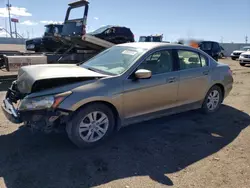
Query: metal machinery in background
77, 45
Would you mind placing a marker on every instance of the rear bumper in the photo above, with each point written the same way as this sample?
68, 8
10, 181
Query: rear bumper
228, 89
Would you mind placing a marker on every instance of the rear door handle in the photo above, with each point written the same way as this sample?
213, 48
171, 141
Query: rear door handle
171, 79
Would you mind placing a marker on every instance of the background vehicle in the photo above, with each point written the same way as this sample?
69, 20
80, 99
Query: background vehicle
77, 45
84, 100
211, 48
236, 54
244, 58
151, 38
114, 34
47, 43
222, 53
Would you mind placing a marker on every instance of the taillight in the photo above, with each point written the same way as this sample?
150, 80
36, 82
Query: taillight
230, 72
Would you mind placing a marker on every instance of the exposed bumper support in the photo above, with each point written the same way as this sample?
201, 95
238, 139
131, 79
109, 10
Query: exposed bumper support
10, 112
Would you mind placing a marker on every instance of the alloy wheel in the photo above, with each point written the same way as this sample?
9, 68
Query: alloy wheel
213, 100
93, 126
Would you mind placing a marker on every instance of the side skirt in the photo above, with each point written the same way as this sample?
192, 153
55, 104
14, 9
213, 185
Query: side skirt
162, 113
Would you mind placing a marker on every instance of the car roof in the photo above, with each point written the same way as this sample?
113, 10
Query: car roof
204, 41
149, 45
109, 26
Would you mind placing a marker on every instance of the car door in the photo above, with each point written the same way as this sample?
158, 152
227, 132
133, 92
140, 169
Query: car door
144, 96
194, 76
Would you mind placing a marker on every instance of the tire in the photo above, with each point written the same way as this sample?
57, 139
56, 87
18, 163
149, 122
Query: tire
73, 126
233, 58
205, 107
242, 64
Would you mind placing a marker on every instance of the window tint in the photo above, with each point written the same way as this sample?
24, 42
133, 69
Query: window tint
158, 62
189, 60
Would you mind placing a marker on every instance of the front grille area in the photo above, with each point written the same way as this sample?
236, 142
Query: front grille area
246, 56
237, 53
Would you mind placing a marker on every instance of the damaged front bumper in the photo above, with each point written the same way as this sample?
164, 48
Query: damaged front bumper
43, 120
10, 112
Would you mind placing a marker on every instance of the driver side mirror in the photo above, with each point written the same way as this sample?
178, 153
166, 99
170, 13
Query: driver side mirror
143, 74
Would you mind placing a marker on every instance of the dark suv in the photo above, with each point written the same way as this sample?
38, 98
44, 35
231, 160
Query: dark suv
47, 43
211, 48
114, 34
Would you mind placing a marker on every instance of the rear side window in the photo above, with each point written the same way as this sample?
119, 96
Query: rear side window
206, 46
216, 46
190, 60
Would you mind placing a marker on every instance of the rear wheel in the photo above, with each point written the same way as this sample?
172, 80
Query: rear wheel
212, 100
91, 125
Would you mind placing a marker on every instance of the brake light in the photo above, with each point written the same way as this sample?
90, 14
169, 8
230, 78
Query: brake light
230, 72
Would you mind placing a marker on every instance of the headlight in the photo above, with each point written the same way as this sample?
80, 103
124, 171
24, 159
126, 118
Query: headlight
44, 102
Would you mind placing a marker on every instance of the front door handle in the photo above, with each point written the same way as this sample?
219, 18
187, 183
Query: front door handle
171, 79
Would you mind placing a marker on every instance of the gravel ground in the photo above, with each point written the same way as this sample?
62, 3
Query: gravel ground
184, 150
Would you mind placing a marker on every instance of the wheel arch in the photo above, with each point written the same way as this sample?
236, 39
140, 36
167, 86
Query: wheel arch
109, 105
221, 87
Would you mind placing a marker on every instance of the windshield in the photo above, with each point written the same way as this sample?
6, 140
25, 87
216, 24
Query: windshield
144, 39
247, 48
115, 60
48, 29
156, 39
150, 39
100, 30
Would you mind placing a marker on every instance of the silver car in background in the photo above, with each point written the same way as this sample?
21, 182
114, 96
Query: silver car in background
122, 85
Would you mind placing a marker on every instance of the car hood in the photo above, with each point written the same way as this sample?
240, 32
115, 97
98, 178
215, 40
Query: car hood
40, 77
246, 53
38, 39
238, 51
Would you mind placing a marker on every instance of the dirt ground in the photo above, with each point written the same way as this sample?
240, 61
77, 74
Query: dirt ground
184, 150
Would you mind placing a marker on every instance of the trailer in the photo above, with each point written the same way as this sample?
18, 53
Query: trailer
80, 45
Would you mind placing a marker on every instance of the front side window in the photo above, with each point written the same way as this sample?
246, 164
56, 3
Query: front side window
158, 62
115, 60
190, 60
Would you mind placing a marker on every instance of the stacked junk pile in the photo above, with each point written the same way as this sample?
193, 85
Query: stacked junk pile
67, 42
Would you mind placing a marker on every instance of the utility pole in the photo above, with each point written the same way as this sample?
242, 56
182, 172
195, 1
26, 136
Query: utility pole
246, 39
28, 34
221, 39
15, 29
9, 6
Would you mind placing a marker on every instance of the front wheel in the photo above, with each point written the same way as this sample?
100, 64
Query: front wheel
212, 100
91, 125
233, 58
242, 64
